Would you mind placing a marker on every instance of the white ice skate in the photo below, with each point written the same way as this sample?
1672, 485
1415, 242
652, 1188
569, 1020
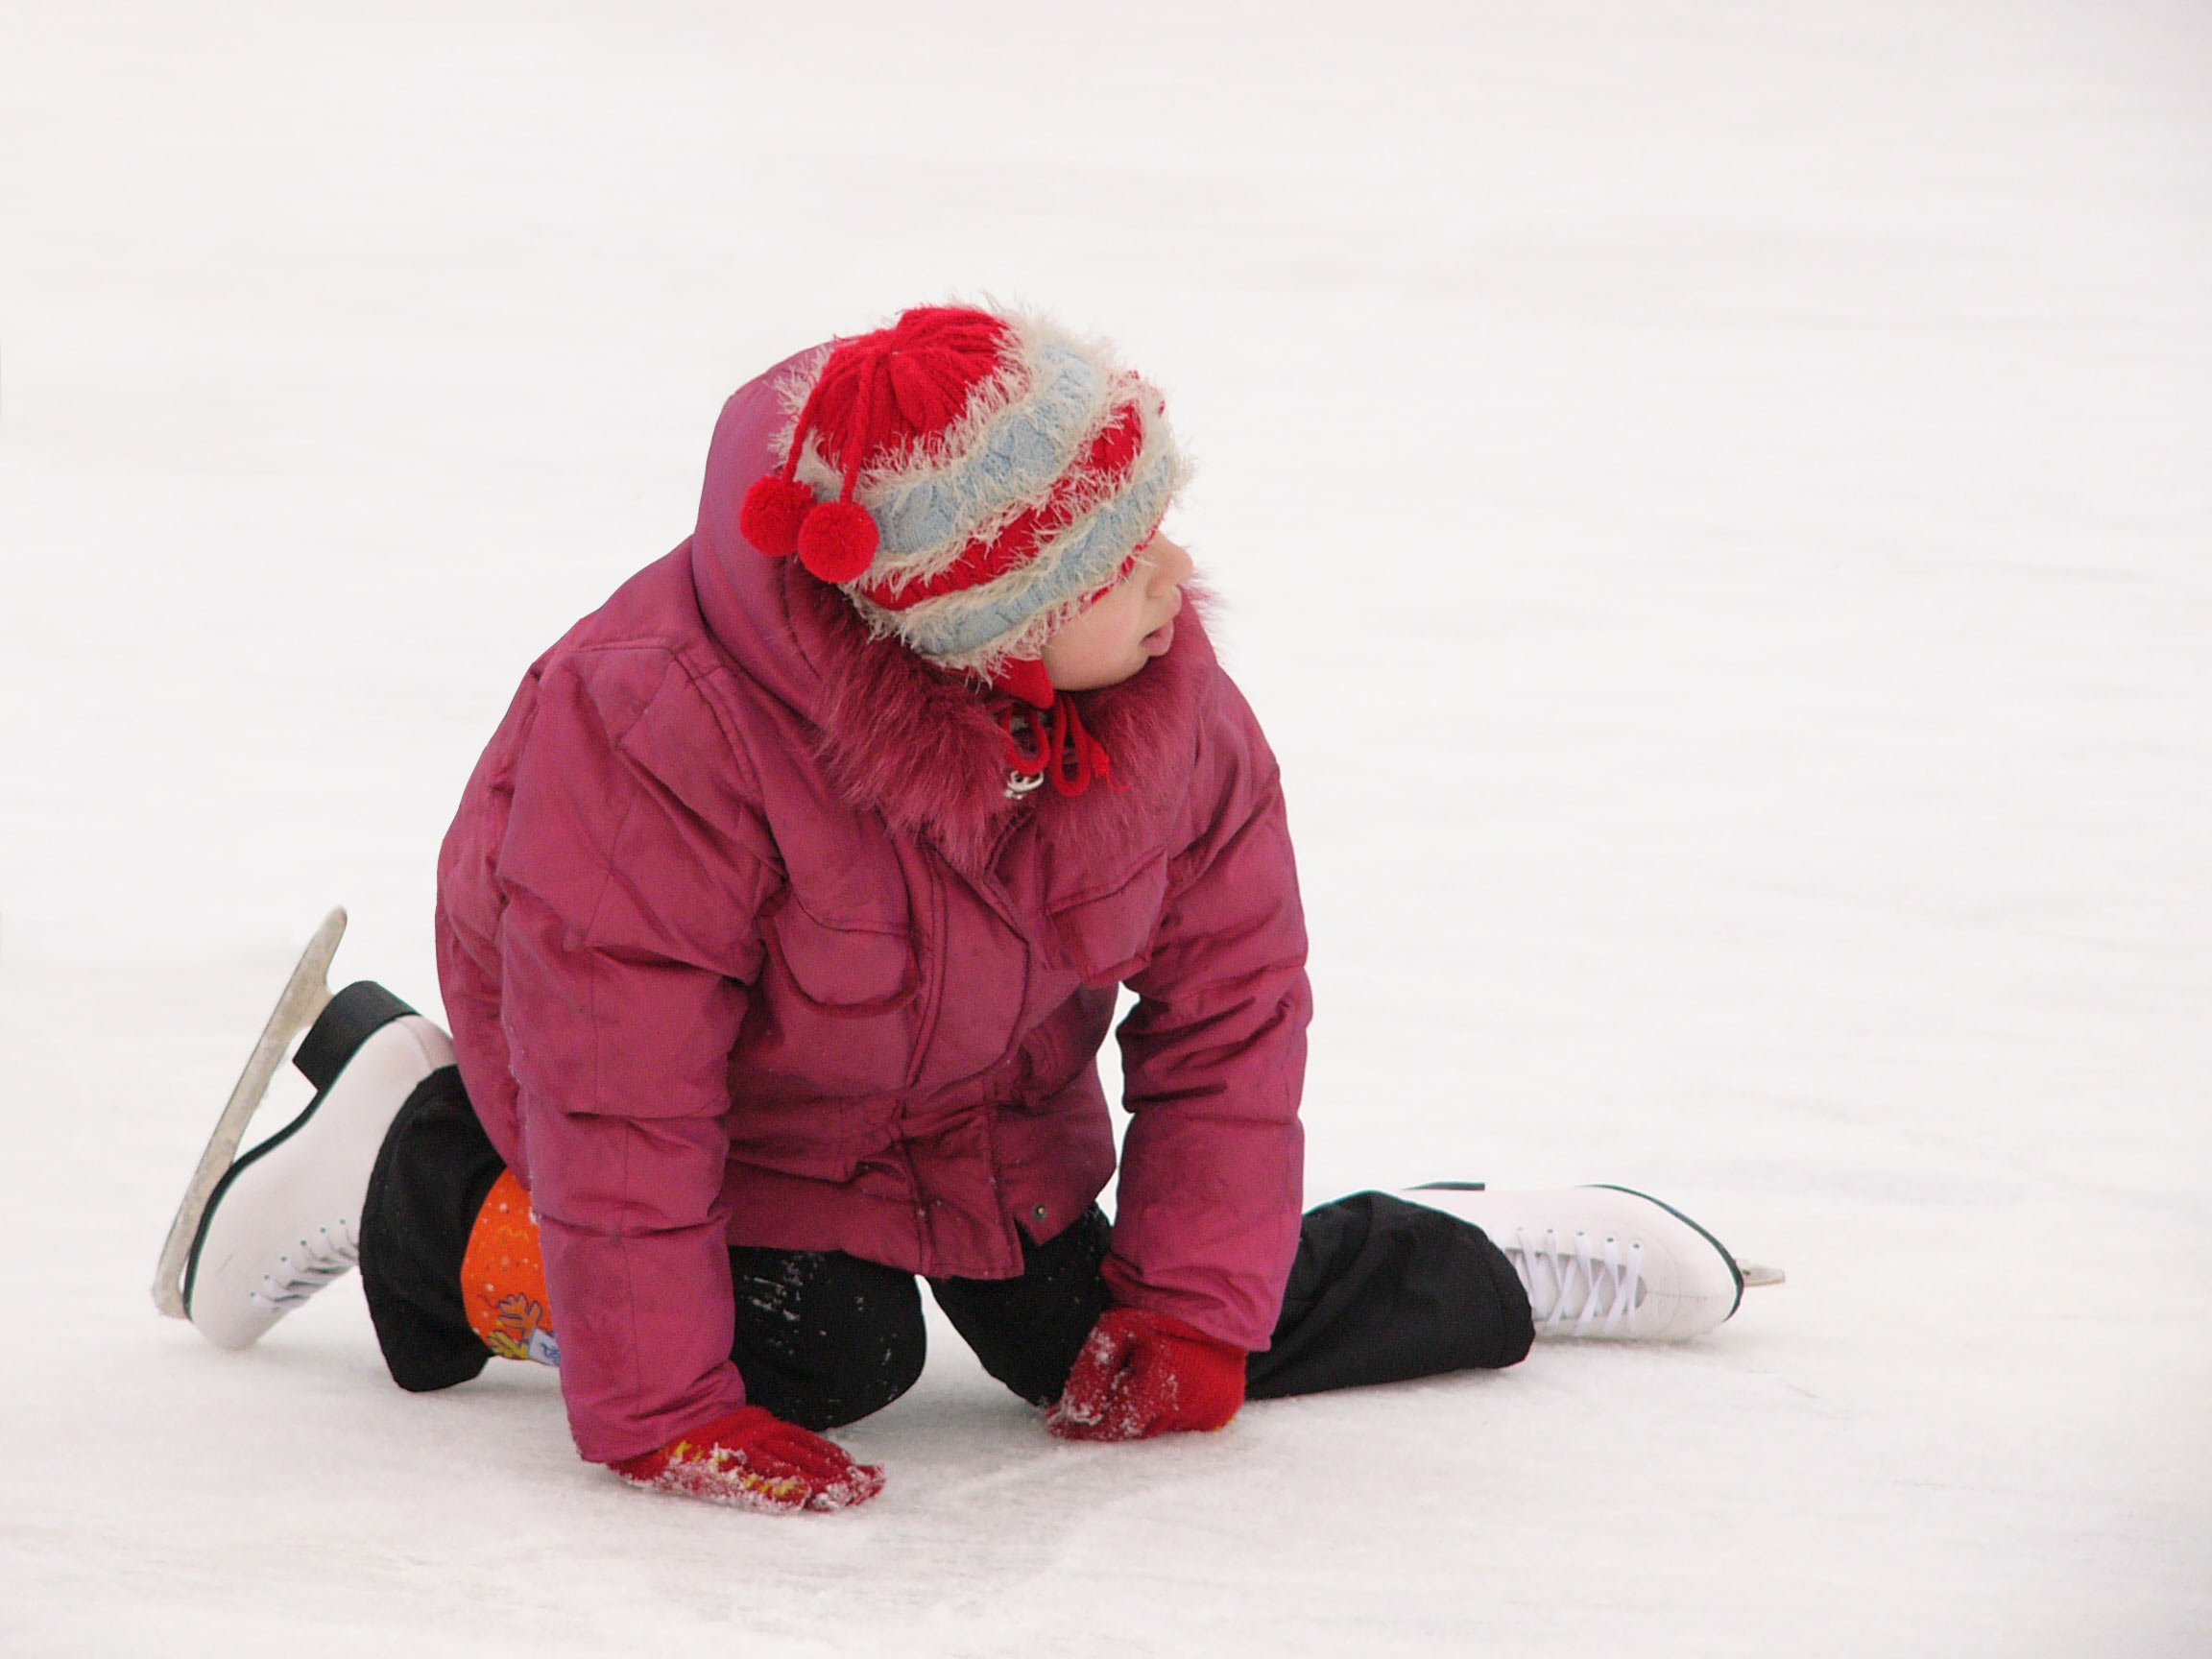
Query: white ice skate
255, 1239
1604, 1262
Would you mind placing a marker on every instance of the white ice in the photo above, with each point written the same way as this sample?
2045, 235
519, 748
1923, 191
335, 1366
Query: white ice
1712, 502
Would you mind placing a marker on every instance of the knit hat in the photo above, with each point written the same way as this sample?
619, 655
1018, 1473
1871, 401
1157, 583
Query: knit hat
971, 481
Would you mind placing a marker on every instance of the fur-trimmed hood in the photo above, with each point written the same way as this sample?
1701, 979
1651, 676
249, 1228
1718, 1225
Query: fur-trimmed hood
924, 746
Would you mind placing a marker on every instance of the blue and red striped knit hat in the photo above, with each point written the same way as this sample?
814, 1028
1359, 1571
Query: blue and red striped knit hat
971, 481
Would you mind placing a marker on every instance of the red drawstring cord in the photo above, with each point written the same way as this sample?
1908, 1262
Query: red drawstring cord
1065, 752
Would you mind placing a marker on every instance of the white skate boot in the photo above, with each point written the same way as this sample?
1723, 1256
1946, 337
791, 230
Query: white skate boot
1604, 1262
284, 1220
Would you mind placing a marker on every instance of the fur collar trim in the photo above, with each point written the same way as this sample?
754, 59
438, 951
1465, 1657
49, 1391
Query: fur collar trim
924, 747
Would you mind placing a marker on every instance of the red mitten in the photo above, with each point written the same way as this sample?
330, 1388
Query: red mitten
753, 1460
1143, 1374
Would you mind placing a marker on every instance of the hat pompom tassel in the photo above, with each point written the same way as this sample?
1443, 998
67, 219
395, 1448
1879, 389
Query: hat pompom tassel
774, 512
837, 541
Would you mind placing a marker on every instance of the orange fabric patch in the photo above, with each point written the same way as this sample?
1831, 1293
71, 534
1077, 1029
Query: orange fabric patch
503, 1277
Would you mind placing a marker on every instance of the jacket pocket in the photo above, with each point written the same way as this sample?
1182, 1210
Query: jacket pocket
1107, 936
833, 1013
841, 972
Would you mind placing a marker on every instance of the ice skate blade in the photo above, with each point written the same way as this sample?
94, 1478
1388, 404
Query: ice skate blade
1756, 1275
306, 994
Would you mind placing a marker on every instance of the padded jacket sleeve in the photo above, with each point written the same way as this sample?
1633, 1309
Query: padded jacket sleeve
1214, 1059
632, 869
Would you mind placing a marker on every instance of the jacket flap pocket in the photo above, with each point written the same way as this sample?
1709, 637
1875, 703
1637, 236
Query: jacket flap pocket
1107, 937
847, 970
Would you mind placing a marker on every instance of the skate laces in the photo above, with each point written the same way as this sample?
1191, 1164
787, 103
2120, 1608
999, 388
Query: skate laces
307, 1266
1578, 1286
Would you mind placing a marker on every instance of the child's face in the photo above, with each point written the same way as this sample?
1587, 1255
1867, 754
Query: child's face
1133, 624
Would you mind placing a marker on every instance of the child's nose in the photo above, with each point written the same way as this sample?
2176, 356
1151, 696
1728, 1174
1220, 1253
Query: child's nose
1171, 567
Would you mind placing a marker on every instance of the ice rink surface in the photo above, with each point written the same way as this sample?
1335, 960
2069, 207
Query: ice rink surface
1712, 504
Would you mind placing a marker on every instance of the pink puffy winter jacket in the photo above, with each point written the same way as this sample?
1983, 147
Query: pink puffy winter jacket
744, 942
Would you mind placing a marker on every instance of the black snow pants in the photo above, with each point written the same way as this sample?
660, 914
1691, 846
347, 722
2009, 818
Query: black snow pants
1383, 1290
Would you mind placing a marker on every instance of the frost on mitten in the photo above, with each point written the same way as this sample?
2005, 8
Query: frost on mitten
1143, 1374
752, 1459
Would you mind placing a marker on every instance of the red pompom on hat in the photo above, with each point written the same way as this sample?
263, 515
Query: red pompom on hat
971, 481
837, 541
774, 510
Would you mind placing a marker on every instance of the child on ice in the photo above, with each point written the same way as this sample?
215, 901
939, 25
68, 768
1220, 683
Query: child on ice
779, 929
